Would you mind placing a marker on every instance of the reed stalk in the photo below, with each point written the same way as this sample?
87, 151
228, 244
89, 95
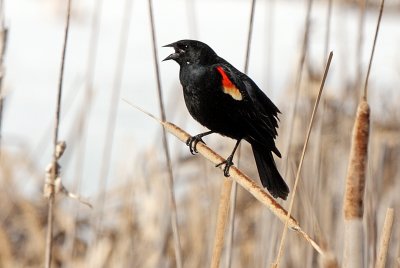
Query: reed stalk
170, 177
222, 219
238, 176
385, 239
50, 185
3, 45
281, 247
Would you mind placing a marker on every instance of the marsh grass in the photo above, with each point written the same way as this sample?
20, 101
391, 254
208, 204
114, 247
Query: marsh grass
137, 227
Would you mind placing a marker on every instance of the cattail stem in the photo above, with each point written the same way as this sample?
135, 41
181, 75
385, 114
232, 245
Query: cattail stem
223, 212
373, 50
246, 182
385, 239
229, 239
237, 175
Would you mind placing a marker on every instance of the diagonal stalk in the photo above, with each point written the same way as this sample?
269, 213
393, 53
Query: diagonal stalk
243, 180
281, 247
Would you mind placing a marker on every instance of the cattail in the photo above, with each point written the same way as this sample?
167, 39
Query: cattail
355, 182
355, 185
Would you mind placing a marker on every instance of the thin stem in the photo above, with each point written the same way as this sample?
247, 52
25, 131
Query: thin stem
360, 42
328, 28
281, 247
385, 238
49, 234
86, 107
229, 239
170, 180
298, 83
246, 182
269, 40
373, 50
90, 70
223, 212
249, 35
112, 115
3, 45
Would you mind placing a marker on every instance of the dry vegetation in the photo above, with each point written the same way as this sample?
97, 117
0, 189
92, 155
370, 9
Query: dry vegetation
136, 218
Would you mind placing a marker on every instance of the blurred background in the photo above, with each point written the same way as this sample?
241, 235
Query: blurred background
114, 156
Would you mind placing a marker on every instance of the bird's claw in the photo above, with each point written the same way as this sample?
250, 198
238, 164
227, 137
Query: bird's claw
228, 163
192, 143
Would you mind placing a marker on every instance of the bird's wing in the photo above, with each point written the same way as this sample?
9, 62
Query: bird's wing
265, 107
253, 108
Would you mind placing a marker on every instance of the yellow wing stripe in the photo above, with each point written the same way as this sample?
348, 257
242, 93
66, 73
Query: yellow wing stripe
228, 87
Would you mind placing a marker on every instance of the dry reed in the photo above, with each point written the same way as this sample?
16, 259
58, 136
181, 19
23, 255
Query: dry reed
281, 247
223, 212
385, 239
3, 46
170, 177
49, 187
246, 182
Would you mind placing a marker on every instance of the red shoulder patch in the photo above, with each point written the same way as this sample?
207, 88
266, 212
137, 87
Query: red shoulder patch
227, 85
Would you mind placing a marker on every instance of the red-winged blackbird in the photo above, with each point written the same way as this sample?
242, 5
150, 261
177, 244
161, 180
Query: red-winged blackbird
228, 102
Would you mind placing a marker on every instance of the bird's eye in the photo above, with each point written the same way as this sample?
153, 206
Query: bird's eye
186, 46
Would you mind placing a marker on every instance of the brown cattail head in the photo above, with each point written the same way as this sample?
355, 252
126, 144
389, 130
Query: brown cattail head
355, 181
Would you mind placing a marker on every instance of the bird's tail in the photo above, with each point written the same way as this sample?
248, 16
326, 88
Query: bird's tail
269, 174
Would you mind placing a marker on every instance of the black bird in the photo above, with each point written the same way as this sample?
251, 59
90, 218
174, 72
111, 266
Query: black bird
228, 102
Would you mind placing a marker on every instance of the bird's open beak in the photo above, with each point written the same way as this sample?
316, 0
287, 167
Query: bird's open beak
175, 55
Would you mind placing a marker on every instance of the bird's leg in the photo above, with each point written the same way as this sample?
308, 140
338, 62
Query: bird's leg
228, 162
193, 141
